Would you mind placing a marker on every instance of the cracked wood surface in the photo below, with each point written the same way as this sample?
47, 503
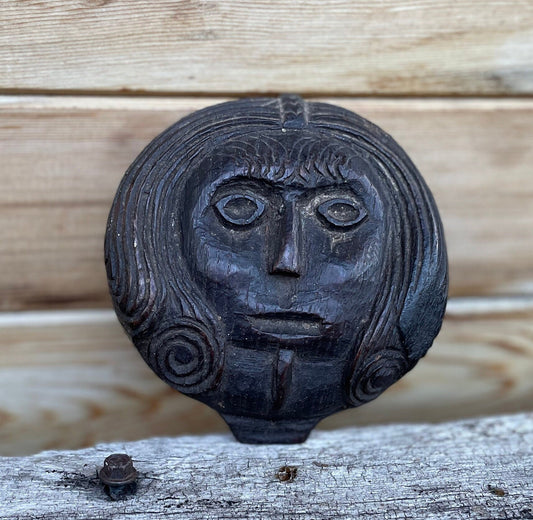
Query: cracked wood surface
474, 469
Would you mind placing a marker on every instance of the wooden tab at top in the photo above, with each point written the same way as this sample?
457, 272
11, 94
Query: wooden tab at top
398, 47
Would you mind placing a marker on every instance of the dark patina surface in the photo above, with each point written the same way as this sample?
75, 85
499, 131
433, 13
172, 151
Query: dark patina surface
277, 259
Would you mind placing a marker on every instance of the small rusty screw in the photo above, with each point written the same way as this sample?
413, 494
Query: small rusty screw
118, 470
118, 475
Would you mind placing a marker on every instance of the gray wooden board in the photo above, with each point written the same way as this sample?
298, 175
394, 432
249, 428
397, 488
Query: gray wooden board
473, 469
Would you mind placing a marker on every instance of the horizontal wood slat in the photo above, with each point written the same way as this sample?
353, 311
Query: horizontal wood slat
216, 46
72, 379
63, 157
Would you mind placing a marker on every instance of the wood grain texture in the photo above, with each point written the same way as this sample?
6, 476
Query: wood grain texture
63, 157
364, 47
471, 469
71, 379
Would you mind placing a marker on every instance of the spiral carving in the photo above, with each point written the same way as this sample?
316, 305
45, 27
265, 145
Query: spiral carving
186, 356
376, 374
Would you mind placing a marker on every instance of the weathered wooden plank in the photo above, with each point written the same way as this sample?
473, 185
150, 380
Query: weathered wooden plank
63, 157
339, 46
70, 379
471, 469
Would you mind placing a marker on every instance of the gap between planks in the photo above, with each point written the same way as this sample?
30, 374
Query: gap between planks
133, 94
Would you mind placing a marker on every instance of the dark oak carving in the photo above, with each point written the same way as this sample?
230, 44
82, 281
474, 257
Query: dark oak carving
278, 260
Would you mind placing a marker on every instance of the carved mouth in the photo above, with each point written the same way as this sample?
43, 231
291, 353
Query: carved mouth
288, 324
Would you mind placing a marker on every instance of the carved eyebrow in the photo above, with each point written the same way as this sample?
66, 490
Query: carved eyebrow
343, 190
268, 188
245, 182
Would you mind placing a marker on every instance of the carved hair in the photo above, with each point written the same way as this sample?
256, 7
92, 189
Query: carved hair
151, 285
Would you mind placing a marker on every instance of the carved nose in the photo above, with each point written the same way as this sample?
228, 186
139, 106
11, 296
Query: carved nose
286, 257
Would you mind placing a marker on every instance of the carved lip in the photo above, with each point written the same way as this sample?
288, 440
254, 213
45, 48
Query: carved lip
288, 324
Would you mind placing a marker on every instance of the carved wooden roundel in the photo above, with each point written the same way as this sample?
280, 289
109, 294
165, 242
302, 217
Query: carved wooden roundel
277, 259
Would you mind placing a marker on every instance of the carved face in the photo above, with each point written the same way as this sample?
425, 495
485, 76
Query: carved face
291, 264
290, 257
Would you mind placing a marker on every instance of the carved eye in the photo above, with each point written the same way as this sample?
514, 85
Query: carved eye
341, 213
240, 209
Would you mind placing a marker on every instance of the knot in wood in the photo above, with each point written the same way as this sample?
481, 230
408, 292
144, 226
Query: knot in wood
287, 473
